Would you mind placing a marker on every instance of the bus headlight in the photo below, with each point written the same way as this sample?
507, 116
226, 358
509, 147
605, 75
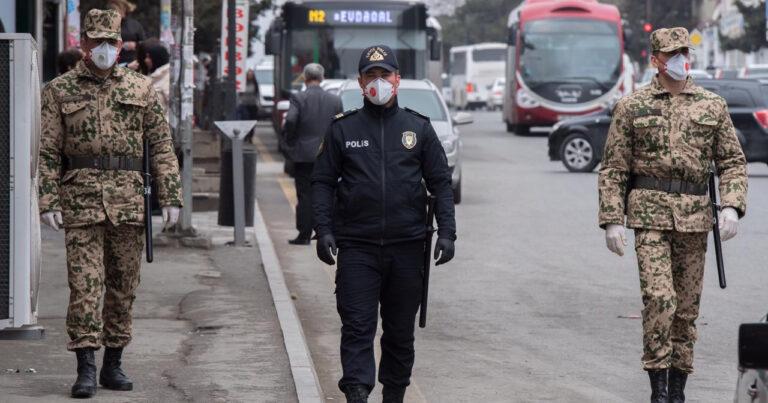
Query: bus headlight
525, 99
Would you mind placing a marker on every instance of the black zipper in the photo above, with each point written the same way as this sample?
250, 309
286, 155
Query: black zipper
383, 180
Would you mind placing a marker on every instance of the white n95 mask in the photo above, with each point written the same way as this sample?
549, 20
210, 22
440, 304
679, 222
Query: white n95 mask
379, 91
104, 56
677, 67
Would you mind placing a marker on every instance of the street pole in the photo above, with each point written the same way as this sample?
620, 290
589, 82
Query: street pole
232, 62
187, 107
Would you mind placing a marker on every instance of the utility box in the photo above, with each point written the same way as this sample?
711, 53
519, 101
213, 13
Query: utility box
19, 218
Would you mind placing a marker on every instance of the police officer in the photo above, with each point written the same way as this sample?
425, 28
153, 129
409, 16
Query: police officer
373, 161
661, 143
94, 120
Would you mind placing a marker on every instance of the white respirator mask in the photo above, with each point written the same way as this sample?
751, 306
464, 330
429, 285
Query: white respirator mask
379, 91
677, 67
104, 56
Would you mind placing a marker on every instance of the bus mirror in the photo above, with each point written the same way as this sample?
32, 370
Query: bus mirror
627, 36
435, 47
512, 35
272, 44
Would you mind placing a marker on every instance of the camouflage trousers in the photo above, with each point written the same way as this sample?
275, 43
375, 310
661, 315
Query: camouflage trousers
671, 275
102, 257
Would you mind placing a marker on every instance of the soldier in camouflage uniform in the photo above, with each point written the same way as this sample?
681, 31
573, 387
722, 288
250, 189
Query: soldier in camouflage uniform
94, 121
662, 141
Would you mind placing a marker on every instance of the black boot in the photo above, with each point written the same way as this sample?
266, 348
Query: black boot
356, 393
393, 395
85, 385
677, 380
658, 385
112, 376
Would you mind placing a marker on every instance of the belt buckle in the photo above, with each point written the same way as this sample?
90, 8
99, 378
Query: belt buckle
675, 186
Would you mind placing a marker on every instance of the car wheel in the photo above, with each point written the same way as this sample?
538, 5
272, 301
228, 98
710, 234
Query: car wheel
457, 192
578, 154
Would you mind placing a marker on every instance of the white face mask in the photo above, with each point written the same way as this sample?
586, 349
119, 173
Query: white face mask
104, 55
379, 91
677, 67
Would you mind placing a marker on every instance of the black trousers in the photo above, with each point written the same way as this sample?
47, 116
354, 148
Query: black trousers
368, 275
303, 178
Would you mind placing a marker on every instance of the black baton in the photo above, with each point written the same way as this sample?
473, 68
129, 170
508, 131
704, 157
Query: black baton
716, 228
427, 261
147, 202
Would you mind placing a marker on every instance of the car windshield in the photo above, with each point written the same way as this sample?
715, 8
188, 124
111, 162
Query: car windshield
425, 102
265, 77
757, 71
563, 49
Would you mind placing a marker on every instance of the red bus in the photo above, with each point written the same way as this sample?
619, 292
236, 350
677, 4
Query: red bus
564, 58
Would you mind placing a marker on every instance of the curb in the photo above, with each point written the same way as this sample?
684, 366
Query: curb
303, 370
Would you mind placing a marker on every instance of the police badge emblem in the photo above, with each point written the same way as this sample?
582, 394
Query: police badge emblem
409, 140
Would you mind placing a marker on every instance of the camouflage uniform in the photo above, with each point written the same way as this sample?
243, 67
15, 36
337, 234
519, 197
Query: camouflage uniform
659, 135
84, 115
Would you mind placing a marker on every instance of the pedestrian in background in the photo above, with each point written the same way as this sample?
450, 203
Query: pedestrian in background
248, 100
132, 32
67, 60
141, 54
156, 62
662, 141
367, 195
306, 122
94, 121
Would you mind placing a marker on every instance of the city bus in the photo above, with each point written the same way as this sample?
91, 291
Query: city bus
473, 70
334, 34
564, 58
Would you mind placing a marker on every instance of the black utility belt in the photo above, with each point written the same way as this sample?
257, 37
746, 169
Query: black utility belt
105, 163
669, 185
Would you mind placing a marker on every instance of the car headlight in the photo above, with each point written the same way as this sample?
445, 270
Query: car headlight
525, 99
450, 144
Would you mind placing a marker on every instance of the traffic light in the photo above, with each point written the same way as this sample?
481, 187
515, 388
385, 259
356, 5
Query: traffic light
648, 27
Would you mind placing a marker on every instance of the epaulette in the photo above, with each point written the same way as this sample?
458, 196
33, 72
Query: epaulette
345, 114
416, 113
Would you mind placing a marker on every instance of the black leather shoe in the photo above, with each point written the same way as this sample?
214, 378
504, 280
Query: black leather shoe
85, 385
658, 386
111, 375
300, 240
356, 393
677, 380
392, 395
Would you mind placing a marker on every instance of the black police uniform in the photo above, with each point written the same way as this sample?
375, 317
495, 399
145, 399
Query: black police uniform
367, 191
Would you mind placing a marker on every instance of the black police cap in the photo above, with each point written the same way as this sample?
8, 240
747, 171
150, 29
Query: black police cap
377, 56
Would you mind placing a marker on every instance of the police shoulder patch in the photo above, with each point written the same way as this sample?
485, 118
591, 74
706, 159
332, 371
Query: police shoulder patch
344, 114
416, 113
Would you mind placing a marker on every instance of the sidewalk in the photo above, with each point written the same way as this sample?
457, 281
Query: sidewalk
205, 330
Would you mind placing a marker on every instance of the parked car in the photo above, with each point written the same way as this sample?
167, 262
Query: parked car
578, 142
754, 71
496, 94
425, 98
752, 383
266, 81
726, 74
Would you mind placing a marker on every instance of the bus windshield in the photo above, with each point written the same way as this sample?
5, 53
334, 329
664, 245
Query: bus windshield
570, 50
339, 49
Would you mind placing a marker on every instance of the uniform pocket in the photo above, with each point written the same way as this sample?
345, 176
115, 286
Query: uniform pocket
129, 113
701, 132
76, 118
648, 133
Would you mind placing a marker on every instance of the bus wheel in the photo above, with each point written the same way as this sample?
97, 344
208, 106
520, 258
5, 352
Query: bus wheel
522, 130
578, 154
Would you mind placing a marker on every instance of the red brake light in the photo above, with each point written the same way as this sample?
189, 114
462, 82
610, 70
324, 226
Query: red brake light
762, 118
469, 87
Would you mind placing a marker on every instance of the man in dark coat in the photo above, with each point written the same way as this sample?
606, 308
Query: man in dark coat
306, 122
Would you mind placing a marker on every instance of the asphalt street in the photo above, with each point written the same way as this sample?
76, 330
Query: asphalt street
534, 307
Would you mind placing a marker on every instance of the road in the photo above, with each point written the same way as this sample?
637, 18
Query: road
533, 307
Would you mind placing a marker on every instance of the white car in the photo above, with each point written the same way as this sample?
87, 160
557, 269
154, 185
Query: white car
266, 81
754, 71
496, 94
425, 98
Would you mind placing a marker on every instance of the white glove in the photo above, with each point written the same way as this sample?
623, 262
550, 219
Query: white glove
52, 219
729, 223
615, 238
170, 216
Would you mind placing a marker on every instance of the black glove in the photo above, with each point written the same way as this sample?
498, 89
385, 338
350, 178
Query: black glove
326, 249
444, 249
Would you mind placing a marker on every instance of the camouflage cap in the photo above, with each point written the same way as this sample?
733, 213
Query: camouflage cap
102, 24
669, 39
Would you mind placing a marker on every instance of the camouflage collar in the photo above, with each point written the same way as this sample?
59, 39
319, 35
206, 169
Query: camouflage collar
83, 71
658, 89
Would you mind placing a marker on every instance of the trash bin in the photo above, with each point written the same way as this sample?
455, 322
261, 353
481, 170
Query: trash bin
226, 189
